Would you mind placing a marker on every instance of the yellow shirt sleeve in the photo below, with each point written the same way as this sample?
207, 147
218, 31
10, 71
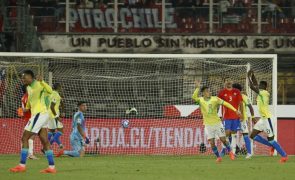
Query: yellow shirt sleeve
229, 106
195, 95
46, 87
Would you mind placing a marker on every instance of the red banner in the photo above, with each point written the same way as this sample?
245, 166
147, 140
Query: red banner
181, 136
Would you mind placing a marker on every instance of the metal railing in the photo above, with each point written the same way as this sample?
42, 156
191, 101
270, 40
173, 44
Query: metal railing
119, 17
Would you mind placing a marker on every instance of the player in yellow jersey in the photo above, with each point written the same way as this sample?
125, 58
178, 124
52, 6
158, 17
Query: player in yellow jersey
264, 123
244, 119
37, 124
213, 126
55, 125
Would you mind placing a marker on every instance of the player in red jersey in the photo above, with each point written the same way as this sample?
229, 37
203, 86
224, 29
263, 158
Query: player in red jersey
26, 115
231, 120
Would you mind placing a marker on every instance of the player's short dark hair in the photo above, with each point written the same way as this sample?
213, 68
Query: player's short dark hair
238, 86
29, 72
264, 83
204, 88
80, 103
56, 86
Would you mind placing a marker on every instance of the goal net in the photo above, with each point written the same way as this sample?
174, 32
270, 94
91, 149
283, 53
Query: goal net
152, 92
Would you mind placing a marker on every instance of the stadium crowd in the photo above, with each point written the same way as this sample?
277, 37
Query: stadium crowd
278, 16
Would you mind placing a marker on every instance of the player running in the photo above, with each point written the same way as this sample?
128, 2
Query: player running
78, 136
244, 119
264, 123
55, 126
213, 126
37, 123
231, 119
26, 115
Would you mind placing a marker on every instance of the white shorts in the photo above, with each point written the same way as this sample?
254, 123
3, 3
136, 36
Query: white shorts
213, 131
54, 124
37, 122
244, 127
264, 125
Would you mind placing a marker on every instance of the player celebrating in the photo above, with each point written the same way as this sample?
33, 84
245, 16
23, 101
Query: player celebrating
54, 125
231, 119
244, 119
78, 137
26, 115
38, 122
213, 126
264, 123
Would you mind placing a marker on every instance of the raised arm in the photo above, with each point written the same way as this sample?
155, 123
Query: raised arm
195, 96
44, 84
253, 82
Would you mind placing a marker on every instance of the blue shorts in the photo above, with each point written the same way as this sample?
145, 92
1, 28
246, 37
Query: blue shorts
76, 143
232, 124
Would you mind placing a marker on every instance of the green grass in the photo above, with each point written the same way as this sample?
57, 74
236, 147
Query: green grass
153, 167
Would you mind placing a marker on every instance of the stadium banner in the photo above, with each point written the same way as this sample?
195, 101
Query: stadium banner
143, 136
166, 44
135, 17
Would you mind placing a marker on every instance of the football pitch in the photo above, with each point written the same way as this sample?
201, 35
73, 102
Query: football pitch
152, 168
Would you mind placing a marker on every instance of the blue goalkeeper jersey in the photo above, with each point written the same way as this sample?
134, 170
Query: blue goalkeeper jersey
78, 119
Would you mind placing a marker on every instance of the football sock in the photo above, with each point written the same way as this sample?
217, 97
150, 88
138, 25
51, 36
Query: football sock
260, 139
247, 143
228, 148
234, 142
215, 150
23, 156
50, 134
31, 146
49, 155
277, 147
56, 137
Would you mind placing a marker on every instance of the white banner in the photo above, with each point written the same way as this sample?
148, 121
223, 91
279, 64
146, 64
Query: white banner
167, 44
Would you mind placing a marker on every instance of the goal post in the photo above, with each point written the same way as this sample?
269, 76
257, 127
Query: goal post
152, 91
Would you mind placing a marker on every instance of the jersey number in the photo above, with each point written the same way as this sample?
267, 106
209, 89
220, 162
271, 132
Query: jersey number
230, 98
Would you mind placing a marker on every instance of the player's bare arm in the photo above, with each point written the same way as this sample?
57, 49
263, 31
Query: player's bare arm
228, 105
47, 88
252, 113
62, 106
241, 109
253, 82
52, 108
196, 92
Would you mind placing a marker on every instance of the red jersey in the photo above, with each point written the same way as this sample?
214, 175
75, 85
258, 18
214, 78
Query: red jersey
26, 115
233, 97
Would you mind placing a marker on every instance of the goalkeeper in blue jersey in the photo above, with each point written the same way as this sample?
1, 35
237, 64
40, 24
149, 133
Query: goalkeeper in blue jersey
78, 136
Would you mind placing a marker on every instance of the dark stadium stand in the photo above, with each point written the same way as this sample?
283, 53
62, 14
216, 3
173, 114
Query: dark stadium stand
190, 16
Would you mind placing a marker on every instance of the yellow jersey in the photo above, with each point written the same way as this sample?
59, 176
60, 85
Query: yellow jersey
55, 98
263, 103
246, 103
209, 108
36, 97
